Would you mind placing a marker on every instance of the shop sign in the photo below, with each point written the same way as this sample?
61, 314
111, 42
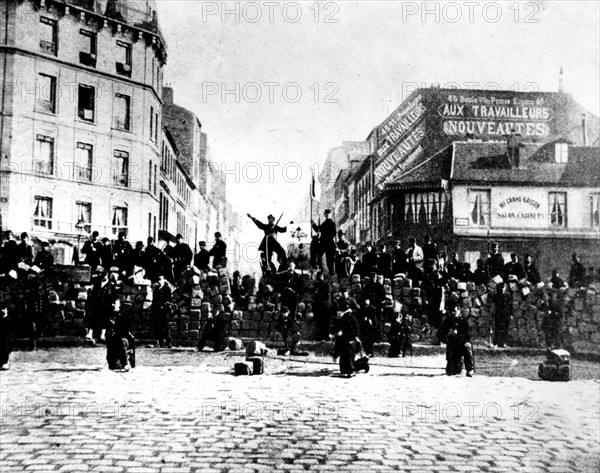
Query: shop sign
491, 115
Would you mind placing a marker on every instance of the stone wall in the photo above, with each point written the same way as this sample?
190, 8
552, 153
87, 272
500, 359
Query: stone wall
198, 296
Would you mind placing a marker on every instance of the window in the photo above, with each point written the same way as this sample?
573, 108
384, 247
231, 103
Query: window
46, 94
557, 209
120, 168
156, 127
479, 207
83, 162
87, 56
151, 123
121, 118
49, 35
85, 102
84, 217
426, 208
150, 178
595, 210
42, 214
561, 153
123, 58
119, 220
155, 173
44, 155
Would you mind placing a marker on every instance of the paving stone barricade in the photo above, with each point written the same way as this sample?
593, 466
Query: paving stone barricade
199, 295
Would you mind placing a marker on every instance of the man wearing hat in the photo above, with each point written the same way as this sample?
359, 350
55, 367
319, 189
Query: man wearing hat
153, 260
218, 251
92, 249
182, 256
161, 308
577, 272
100, 305
495, 262
456, 333
202, 258
44, 259
122, 251
344, 264
269, 243
24, 254
327, 232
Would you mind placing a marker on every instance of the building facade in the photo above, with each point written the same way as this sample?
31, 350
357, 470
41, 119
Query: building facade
87, 143
80, 118
444, 151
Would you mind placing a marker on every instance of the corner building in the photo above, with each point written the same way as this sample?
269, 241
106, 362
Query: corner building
512, 155
80, 115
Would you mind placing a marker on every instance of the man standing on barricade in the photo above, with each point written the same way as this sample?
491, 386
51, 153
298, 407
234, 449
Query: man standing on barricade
327, 232
269, 243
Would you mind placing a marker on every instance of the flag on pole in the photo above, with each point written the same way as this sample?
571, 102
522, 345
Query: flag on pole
315, 190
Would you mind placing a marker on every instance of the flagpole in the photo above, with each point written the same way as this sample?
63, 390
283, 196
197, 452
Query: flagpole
310, 193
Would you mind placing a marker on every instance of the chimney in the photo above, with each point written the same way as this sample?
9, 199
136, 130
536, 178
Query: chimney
168, 95
583, 129
561, 88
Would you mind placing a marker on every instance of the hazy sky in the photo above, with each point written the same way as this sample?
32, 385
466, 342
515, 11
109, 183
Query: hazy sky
352, 63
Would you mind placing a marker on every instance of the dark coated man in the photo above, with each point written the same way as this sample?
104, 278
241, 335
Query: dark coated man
162, 310
153, 260
120, 343
514, 267
92, 250
369, 325
430, 251
44, 259
347, 342
456, 333
343, 260
219, 252
100, 305
202, 258
322, 306
399, 262
531, 272
182, 256
434, 284
369, 260
495, 262
384, 262
122, 254
577, 272
327, 233
290, 331
269, 243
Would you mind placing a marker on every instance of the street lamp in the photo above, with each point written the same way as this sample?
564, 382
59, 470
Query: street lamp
80, 225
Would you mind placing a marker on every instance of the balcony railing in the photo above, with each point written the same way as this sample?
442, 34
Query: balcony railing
87, 59
119, 179
83, 173
48, 47
42, 224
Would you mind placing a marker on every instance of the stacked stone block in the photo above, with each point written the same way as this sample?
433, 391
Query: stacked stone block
198, 296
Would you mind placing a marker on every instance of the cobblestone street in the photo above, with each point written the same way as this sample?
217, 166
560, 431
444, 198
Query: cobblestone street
80, 416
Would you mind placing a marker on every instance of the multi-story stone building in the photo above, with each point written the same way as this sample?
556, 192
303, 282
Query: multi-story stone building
80, 115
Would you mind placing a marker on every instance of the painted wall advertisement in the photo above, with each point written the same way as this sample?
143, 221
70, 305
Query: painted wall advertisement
496, 115
519, 208
399, 141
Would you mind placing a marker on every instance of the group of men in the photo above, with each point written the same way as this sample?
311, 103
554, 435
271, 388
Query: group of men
16, 257
171, 261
